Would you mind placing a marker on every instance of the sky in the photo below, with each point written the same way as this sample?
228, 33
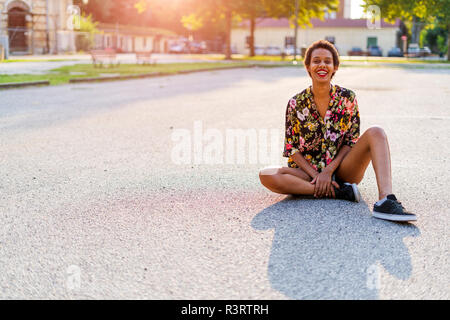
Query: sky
356, 10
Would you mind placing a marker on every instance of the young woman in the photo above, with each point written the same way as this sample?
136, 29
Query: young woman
327, 157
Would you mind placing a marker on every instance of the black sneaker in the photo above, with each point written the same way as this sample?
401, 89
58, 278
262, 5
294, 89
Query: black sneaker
391, 209
347, 191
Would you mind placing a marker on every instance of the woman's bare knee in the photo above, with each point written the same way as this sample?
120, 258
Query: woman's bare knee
269, 178
376, 132
270, 182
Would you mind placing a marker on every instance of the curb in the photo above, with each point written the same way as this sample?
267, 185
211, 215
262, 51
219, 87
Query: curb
11, 85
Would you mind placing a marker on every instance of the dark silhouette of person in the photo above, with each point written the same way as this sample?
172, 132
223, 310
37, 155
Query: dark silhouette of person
328, 249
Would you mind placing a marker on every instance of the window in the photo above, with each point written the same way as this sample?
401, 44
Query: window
289, 41
372, 42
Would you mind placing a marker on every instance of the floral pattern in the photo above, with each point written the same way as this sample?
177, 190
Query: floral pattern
319, 140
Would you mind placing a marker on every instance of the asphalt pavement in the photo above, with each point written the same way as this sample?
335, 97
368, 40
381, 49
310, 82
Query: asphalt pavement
101, 199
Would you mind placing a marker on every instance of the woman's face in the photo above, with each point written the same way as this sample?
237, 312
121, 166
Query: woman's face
321, 67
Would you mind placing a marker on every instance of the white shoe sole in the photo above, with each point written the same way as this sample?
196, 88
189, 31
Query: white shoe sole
355, 191
393, 217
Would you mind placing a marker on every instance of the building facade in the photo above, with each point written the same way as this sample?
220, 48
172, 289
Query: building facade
337, 27
37, 26
132, 39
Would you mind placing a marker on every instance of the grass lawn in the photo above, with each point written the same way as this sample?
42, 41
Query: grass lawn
63, 74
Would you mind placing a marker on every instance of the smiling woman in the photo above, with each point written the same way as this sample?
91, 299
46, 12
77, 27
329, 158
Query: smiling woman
328, 52
327, 157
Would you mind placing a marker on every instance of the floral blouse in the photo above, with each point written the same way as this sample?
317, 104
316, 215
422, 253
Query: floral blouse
319, 140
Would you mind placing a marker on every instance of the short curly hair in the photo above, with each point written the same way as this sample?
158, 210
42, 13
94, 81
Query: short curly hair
321, 44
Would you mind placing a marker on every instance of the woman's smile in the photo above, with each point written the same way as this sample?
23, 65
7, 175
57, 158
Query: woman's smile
322, 67
322, 73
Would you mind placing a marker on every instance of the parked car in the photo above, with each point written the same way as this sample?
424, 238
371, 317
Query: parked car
424, 52
375, 51
197, 47
395, 52
357, 51
413, 50
289, 51
178, 47
259, 51
272, 51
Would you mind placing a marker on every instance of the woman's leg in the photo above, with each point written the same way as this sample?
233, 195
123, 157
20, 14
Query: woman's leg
372, 145
286, 180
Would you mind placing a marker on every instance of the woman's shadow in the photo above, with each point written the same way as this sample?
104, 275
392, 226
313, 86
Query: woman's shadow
332, 249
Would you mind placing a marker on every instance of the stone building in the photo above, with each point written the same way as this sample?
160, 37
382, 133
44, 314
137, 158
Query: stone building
37, 26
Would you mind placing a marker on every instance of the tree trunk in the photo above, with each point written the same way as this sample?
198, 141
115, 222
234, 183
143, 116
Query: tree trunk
448, 42
252, 36
415, 30
228, 16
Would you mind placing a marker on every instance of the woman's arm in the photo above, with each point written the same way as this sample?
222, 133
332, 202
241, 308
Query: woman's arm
303, 164
323, 181
293, 147
333, 165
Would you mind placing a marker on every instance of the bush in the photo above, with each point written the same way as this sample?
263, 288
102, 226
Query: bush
84, 40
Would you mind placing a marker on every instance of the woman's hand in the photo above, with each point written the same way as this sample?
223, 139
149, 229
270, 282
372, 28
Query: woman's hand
324, 184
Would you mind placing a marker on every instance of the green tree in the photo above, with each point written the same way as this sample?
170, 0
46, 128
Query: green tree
214, 10
307, 9
252, 9
416, 11
435, 37
300, 12
88, 29
192, 22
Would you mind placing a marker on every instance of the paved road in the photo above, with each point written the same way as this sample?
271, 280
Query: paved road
94, 205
